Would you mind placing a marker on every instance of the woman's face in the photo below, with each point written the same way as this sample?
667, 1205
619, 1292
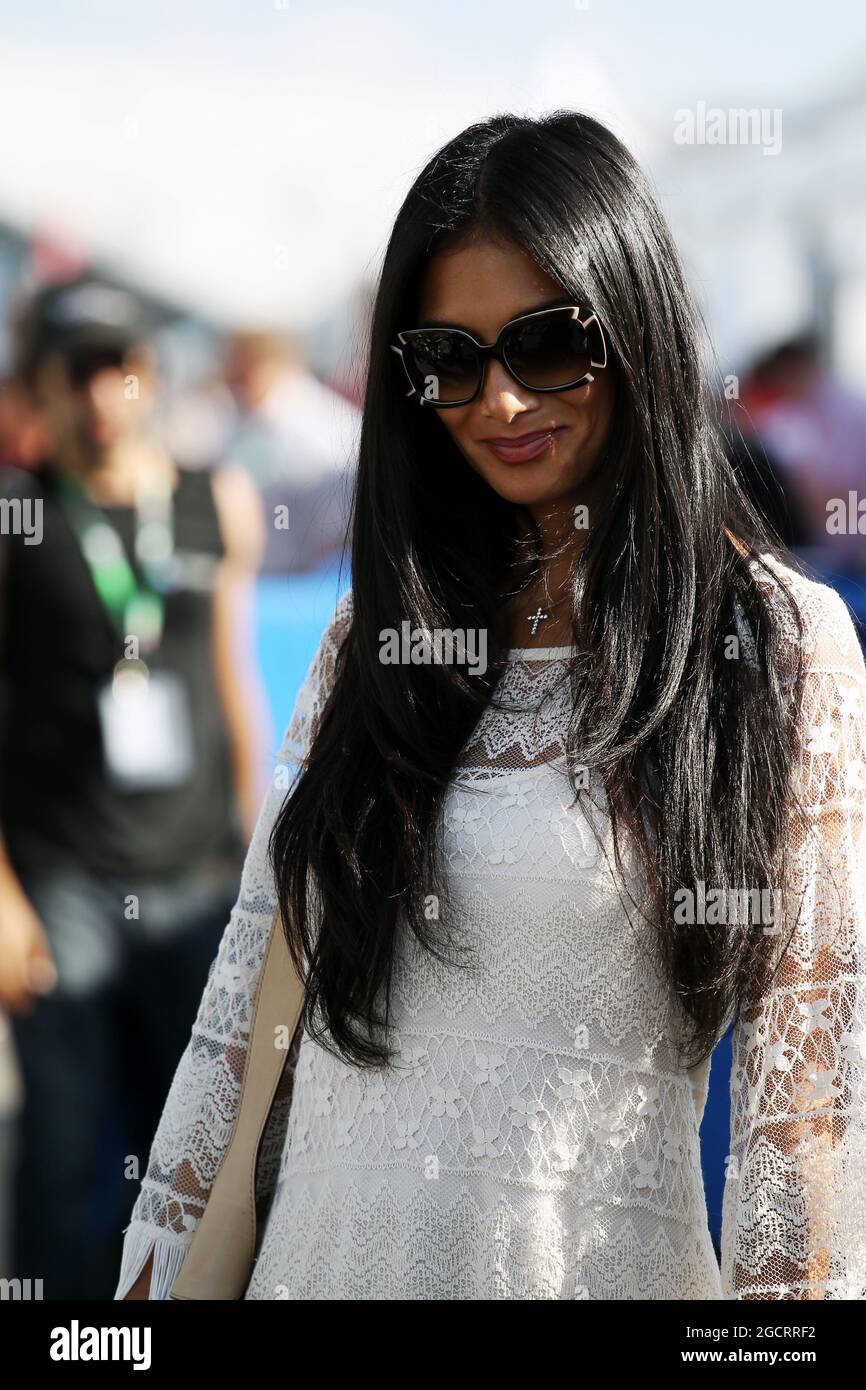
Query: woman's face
479, 284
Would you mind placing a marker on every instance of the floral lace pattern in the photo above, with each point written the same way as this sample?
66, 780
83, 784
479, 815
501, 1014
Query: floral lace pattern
794, 1213
536, 1137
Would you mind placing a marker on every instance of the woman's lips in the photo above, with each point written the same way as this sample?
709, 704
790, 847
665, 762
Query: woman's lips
524, 447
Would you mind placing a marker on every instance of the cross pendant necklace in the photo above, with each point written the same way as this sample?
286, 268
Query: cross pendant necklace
535, 618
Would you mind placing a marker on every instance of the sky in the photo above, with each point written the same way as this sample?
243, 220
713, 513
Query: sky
248, 156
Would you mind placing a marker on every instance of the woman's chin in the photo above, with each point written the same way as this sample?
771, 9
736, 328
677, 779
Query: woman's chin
530, 485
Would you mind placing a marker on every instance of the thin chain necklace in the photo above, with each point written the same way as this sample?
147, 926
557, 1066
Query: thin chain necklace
542, 615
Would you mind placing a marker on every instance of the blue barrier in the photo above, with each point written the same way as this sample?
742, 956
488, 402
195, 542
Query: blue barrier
291, 613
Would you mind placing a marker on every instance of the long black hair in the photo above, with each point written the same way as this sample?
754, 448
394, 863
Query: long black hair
694, 749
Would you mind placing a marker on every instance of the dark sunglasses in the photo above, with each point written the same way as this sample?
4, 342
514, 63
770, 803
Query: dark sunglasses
550, 350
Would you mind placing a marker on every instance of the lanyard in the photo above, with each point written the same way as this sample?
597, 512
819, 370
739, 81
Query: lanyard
136, 609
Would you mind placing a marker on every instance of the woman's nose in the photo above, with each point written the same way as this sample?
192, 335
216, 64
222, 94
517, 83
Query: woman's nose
500, 395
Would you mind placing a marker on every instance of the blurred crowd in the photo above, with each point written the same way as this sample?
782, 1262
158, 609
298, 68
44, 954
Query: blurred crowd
808, 435
136, 522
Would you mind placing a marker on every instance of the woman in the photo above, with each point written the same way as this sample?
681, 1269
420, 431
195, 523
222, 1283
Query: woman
510, 862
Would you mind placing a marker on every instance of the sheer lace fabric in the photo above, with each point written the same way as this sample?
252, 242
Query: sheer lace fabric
537, 1137
794, 1213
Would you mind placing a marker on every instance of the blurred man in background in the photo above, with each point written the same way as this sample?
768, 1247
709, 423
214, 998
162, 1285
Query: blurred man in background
816, 430
296, 437
128, 770
21, 435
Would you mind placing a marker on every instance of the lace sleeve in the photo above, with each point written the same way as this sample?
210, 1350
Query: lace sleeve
794, 1208
199, 1111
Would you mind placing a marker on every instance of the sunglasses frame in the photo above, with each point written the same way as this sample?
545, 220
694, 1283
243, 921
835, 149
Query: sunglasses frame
488, 350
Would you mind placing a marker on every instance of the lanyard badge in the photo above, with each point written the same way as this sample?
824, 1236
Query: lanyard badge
136, 609
145, 718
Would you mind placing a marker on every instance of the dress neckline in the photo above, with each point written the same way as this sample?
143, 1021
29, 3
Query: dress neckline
541, 653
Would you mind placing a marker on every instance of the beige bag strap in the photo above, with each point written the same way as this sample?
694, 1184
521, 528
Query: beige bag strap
219, 1261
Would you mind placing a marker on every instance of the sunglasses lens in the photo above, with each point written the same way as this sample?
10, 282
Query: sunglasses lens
443, 365
550, 350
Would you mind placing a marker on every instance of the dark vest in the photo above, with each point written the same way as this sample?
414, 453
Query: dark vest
58, 807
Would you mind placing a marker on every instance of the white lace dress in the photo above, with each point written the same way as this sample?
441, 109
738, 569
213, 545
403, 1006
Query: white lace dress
537, 1138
